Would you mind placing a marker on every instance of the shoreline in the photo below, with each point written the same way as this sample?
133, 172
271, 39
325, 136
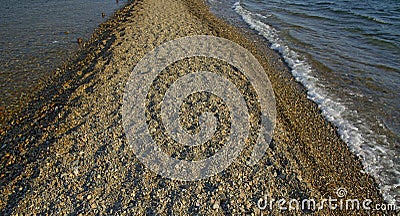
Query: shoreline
32, 51
72, 135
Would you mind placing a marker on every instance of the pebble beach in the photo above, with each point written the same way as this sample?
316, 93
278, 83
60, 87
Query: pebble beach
66, 151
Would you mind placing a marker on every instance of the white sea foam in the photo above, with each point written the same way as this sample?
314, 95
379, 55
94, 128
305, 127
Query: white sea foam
263, 16
373, 156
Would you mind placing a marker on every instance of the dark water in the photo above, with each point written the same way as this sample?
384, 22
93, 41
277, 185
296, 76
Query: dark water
347, 54
38, 35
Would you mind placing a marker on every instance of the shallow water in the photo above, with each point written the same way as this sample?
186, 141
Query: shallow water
38, 35
346, 53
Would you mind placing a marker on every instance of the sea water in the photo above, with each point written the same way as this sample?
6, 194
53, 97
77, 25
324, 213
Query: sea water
347, 54
38, 35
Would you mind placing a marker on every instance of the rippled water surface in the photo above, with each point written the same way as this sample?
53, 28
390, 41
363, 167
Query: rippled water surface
37, 35
347, 54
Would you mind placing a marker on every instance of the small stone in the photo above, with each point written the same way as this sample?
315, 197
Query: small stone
223, 197
76, 172
248, 205
79, 197
216, 205
89, 197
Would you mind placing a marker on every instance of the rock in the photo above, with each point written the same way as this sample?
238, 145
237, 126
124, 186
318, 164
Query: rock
79, 197
216, 205
93, 205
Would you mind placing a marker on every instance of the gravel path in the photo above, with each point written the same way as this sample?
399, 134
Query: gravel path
68, 154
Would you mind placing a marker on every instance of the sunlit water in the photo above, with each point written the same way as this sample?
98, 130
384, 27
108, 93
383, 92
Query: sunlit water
38, 35
347, 55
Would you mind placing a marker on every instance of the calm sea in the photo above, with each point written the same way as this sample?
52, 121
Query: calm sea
347, 54
38, 35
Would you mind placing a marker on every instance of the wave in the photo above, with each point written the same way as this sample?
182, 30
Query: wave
362, 16
334, 111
